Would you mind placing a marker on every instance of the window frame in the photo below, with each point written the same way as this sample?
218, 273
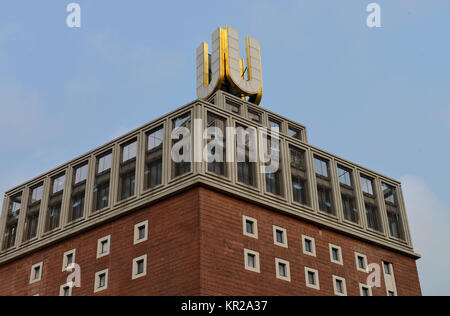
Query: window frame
316, 273
65, 264
341, 256
313, 246
344, 285
364, 286
63, 287
279, 261
100, 242
135, 269
257, 267
366, 264
136, 232
285, 236
255, 226
97, 287
33, 279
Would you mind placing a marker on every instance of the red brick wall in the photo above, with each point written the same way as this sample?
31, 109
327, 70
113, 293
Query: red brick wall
196, 246
172, 255
222, 254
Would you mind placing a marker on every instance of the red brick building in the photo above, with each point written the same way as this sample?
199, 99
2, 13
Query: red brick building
138, 223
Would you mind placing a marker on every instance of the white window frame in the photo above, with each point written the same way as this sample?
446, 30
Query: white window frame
285, 236
362, 286
61, 289
344, 286
65, 264
135, 274
97, 287
39, 265
100, 254
257, 267
288, 270
312, 286
341, 257
357, 255
255, 226
136, 232
313, 246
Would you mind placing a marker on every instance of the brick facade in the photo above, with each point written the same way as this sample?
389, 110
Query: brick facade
196, 247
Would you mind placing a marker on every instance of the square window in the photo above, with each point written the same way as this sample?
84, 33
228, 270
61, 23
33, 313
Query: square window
361, 262
68, 259
139, 267
340, 287
280, 236
336, 254
309, 246
101, 281
65, 290
283, 270
312, 278
365, 290
36, 273
103, 246
141, 232
251, 259
250, 227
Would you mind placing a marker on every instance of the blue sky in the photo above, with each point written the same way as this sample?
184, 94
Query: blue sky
377, 97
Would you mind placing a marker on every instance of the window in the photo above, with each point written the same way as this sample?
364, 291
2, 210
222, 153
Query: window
78, 193
387, 268
103, 247
295, 133
282, 270
324, 191
370, 204
280, 236
233, 106
139, 267
65, 290
361, 262
154, 158
33, 210
299, 176
251, 259
127, 182
55, 202
216, 144
36, 273
141, 232
274, 124
365, 290
102, 182
340, 287
274, 183
254, 116
246, 145
12, 220
181, 128
250, 227
336, 254
312, 278
68, 259
309, 246
348, 197
393, 211
101, 281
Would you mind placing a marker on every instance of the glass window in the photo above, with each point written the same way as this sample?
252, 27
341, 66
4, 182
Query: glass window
295, 133
348, 197
321, 167
370, 204
325, 199
78, 193
251, 260
335, 253
275, 124
311, 278
299, 176
249, 226
102, 182
393, 211
12, 220
367, 185
154, 158
246, 162
324, 186
183, 167
274, 183
308, 245
280, 236
32, 216
345, 176
55, 203
282, 270
217, 141
127, 170
339, 287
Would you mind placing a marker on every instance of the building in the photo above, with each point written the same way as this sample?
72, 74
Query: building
136, 222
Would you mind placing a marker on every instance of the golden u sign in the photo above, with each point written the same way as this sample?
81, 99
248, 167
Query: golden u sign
225, 69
